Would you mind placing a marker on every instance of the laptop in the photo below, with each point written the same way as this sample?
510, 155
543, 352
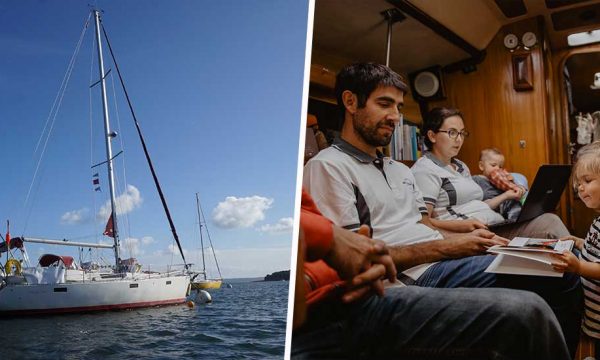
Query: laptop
544, 193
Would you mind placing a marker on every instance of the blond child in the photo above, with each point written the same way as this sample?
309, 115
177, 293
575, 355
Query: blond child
500, 191
586, 177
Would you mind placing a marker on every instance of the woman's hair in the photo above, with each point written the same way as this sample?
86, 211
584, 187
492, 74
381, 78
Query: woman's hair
588, 160
434, 119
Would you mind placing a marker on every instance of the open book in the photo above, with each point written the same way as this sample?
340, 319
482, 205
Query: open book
528, 256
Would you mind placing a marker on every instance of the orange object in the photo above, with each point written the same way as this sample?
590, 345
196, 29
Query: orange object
7, 235
311, 120
109, 230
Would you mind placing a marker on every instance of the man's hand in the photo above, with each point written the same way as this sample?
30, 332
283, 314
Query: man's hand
475, 243
363, 261
566, 262
577, 240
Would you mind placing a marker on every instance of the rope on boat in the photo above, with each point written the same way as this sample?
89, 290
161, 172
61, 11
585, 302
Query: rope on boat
53, 115
210, 241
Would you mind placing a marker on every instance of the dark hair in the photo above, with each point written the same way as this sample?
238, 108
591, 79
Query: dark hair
362, 79
434, 119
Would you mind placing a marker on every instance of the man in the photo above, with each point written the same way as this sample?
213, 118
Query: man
353, 185
346, 321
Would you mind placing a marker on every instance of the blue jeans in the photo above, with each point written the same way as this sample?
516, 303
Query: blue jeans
563, 295
426, 323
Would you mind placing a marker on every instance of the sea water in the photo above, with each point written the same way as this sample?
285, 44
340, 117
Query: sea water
246, 321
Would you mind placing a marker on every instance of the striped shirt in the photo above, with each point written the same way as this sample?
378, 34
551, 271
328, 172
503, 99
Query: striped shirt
591, 287
451, 191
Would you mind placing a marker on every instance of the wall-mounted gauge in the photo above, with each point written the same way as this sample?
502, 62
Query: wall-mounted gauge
511, 41
529, 39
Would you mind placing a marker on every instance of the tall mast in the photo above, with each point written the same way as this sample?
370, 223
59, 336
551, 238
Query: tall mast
108, 135
201, 241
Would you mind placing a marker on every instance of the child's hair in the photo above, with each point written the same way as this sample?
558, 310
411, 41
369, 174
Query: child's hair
486, 152
588, 160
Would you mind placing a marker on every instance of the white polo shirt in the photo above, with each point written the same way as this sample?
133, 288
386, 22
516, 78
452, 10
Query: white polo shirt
352, 188
451, 191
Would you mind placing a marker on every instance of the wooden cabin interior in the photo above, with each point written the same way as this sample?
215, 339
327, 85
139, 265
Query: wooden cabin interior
506, 64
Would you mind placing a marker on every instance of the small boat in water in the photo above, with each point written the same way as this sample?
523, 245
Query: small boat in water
58, 285
200, 279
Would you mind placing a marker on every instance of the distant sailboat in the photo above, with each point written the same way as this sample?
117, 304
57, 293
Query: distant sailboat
199, 279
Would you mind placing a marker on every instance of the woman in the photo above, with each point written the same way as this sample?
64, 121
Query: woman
453, 199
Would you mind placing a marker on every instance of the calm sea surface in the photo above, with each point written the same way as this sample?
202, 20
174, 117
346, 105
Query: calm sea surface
244, 322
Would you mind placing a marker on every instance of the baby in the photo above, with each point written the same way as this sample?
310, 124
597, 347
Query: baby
586, 177
499, 185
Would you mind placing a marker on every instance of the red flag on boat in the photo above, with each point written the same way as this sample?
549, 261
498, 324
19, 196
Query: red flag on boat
7, 235
109, 230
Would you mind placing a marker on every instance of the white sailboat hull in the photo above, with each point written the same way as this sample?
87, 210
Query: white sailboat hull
112, 294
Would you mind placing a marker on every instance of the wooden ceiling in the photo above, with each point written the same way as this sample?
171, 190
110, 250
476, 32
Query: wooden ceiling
355, 30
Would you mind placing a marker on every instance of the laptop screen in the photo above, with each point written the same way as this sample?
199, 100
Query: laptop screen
545, 192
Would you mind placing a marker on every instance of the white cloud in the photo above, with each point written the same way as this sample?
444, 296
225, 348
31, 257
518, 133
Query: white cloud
125, 203
132, 245
284, 225
240, 212
172, 249
75, 217
135, 246
147, 240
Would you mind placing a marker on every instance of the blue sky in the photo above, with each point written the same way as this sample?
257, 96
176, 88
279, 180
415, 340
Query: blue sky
217, 88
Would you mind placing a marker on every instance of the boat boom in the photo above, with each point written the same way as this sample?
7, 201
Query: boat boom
66, 242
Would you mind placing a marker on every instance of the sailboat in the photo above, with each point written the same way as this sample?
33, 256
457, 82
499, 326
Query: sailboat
58, 285
200, 280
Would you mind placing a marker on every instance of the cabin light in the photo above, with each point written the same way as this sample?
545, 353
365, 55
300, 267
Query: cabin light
583, 38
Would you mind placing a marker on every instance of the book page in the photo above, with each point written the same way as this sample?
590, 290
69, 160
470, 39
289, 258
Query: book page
520, 266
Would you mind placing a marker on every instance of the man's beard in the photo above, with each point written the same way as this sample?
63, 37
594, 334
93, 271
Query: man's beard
369, 133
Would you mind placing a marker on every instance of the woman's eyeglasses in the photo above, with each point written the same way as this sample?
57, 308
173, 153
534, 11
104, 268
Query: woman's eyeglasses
453, 133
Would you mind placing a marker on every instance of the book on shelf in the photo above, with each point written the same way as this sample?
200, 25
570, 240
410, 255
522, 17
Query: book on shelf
528, 256
406, 142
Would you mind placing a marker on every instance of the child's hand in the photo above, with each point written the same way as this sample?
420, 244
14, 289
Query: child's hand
513, 194
566, 262
578, 241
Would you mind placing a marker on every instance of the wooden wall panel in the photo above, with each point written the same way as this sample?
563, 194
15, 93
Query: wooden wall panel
495, 113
